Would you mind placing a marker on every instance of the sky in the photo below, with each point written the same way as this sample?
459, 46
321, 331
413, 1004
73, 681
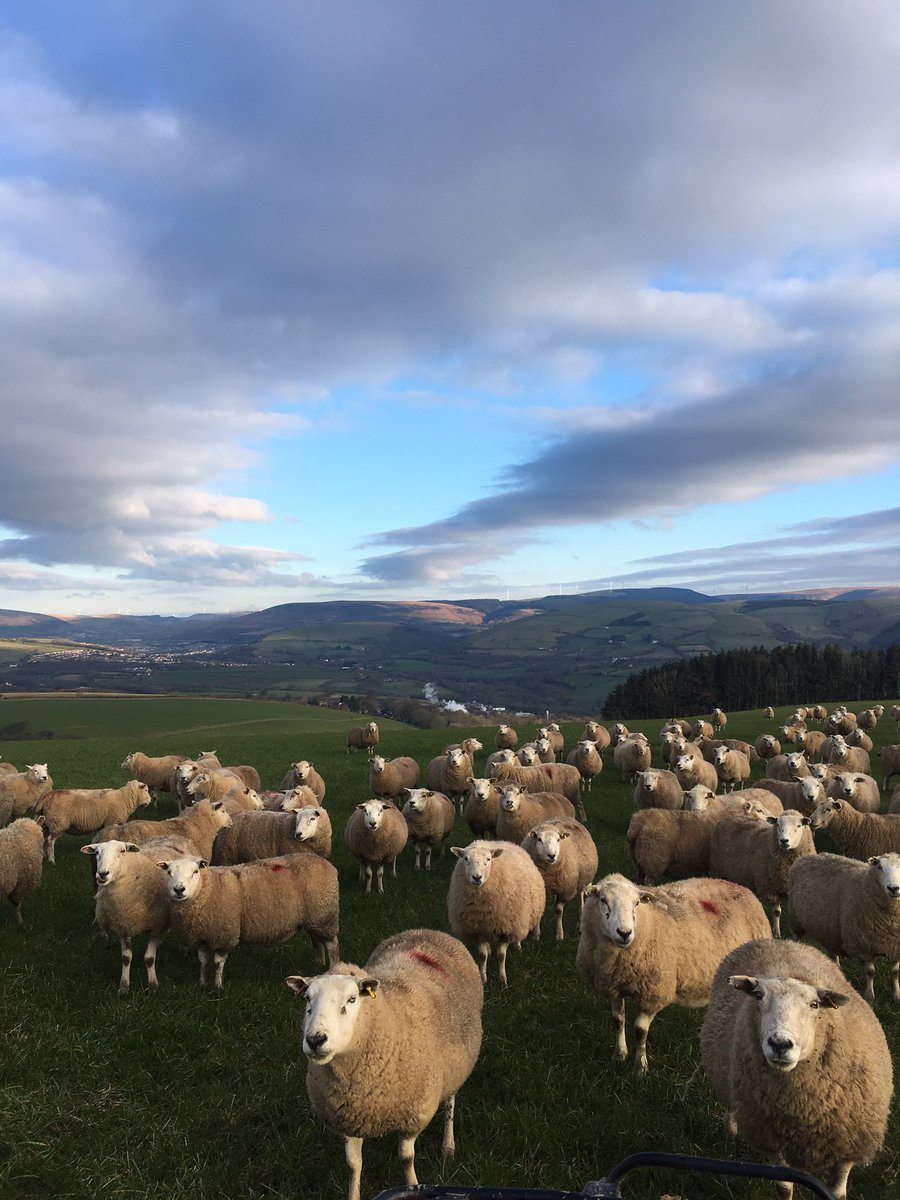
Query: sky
458, 298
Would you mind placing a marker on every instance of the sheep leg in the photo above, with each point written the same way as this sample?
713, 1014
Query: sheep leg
560, 905
407, 1150
203, 953
125, 977
379, 875
418, 849
353, 1155
776, 919
367, 871
617, 1007
319, 948
869, 993
484, 950
895, 982
49, 844
582, 815
219, 959
17, 905
394, 868
448, 1145
150, 961
502, 947
427, 858
839, 1187
641, 1029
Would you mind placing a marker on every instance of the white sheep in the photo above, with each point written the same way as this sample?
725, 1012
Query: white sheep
553, 734
521, 811
858, 835
389, 779
21, 861
704, 799
507, 738
549, 777
450, 774
87, 810
667, 842
596, 733
587, 760
496, 896
252, 836
851, 908
732, 767
692, 768
430, 816
22, 790
365, 738
528, 755
155, 772
890, 764
787, 767
483, 807
859, 790
566, 856
198, 825
376, 834
660, 946
767, 746
304, 774
658, 789
131, 900
631, 756
218, 908
295, 799
759, 854
389, 1044
506, 757
799, 1060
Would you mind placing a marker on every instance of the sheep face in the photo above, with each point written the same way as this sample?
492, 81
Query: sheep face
544, 844
185, 772
39, 772
307, 823
185, 876
721, 755
373, 813
477, 861
686, 763
619, 899
528, 756
789, 828
823, 814
789, 1012
252, 799
302, 770
818, 771
480, 789
811, 790
887, 868
198, 783
295, 800
418, 799
510, 799
472, 745
371, 727
649, 781
698, 798
333, 1005
110, 857
456, 757
796, 764
127, 762
377, 764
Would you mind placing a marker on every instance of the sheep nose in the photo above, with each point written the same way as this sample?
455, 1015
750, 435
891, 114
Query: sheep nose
316, 1041
477, 879
624, 934
784, 843
178, 889
780, 1045
894, 889
102, 876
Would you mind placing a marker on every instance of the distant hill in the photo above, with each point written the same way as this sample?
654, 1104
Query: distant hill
557, 652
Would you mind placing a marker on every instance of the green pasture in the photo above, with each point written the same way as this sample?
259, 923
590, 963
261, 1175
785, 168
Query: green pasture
186, 1095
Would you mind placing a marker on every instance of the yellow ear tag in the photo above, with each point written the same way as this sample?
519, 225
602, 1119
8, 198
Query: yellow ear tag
369, 991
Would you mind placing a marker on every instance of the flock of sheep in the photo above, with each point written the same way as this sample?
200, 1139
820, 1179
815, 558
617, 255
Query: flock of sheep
795, 1054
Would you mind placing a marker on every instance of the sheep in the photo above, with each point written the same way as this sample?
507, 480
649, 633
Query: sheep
857, 738
788, 767
841, 722
813, 742
768, 713
702, 729
430, 816
242, 800
507, 757
297, 798
596, 733
483, 807
304, 774
507, 738
759, 854
7, 768
658, 789
527, 755
660, 946
545, 752
732, 767
565, 854
450, 774
497, 896
665, 842
248, 776
878, 710
178, 784
824, 772
21, 861
588, 762
856, 834
363, 739
549, 777
86, 810
859, 790
213, 785
387, 780
252, 836
617, 733
851, 908
520, 811
866, 719
719, 719
890, 764
803, 1069
376, 834
553, 734
692, 768
218, 908
703, 799
155, 772
469, 745
631, 756
851, 758
131, 899
388, 1044
22, 790
199, 825
208, 759
793, 794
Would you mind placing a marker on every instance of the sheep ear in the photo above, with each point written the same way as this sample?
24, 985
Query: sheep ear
532, 833
202, 864
806, 821
564, 833
470, 781
496, 853
832, 999
772, 820
297, 984
745, 983
871, 861
93, 847
164, 865
457, 851
368, 987
650, 898
131, 848
360, 806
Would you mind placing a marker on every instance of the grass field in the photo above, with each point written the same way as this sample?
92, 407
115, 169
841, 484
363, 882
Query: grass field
187, 1095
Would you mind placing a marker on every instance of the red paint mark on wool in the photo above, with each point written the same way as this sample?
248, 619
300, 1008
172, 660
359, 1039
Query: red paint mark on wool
428, 961
708, 906
547, 772
278, 867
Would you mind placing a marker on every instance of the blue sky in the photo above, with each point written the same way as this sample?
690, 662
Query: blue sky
478, 297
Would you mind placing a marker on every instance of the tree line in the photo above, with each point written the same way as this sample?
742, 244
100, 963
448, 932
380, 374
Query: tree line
755, 677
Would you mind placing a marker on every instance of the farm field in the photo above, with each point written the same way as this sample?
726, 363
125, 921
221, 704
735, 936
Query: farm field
188, 1095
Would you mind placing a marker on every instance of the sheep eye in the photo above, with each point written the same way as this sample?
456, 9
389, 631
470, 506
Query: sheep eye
814, 1004
352, 1000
